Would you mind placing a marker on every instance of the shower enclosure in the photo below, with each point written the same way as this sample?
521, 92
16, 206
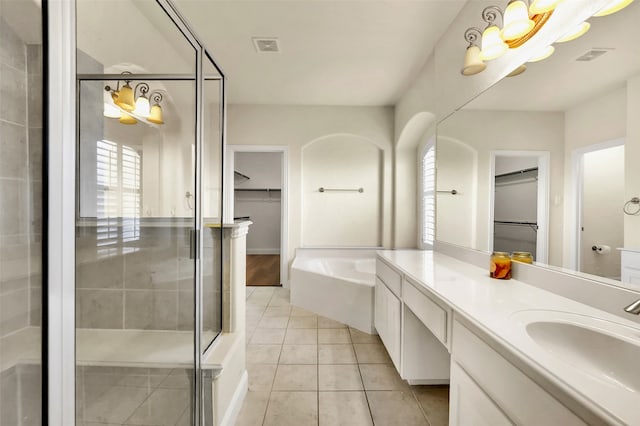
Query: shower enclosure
21, 218
148, 288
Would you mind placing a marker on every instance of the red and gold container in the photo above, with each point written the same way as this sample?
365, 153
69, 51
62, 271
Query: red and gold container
500, 266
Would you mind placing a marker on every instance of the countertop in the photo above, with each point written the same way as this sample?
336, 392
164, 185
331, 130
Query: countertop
490, 305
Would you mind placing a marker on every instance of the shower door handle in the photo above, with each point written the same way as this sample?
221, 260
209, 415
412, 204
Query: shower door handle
193, 244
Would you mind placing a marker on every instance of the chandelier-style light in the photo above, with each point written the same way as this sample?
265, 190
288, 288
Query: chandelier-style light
128, 109
520, 22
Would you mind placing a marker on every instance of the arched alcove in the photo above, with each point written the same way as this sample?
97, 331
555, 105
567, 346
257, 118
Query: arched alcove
341, 216
457, 165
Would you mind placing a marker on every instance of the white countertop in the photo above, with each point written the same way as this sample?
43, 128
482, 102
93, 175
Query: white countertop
489, 304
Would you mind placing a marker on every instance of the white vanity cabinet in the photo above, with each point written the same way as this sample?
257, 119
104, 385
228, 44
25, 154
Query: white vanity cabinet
388, 310
486, 389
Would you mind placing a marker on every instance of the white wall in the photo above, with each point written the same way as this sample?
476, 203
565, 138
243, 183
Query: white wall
345, 219
297, 126
602, 216
264, 208
488, 131
632, 154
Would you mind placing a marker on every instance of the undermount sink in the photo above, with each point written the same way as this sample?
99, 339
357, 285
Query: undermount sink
603, 349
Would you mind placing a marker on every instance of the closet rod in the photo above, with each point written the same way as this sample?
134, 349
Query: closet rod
517, 172
258, 189
533, 225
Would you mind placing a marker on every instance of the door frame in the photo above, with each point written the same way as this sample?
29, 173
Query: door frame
575, 194
542, 216
229, 196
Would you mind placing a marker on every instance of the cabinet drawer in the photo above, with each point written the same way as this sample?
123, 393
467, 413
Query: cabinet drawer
389, 276
430, 313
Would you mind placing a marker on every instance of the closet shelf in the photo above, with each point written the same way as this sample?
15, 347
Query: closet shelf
240, 175
533, 225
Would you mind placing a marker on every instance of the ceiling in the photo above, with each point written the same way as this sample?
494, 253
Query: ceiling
560, 82
332, 52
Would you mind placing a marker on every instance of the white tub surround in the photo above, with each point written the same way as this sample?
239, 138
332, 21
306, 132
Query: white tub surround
519, 354
630, 259
336, 283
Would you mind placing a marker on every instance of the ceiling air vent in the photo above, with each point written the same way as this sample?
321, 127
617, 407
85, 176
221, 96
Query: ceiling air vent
266, 44
593, 54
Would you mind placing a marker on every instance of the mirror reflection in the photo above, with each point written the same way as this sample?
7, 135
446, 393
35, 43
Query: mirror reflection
541, 162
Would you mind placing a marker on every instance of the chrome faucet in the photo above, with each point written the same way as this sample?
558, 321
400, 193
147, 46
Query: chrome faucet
633, 308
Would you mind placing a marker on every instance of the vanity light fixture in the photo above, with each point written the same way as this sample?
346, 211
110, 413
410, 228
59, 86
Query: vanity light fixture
520, 21
472, 62
129, 111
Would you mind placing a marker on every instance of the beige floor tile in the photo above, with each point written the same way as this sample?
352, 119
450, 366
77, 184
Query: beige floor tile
263, 354
299, 312
116, 405
358, 336
336, 354
381, 377
339, 378
273, 322
333, 335
163, 407
296, 378
435, 403
344, 409
292, 409
299, 354
268, 336
279, 301
371, 353
303, 322
301, 336
261, 376
253, 409
324, 322
277, 311
395, 408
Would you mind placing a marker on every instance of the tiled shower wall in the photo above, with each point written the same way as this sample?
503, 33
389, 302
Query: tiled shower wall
20, 182
145, 283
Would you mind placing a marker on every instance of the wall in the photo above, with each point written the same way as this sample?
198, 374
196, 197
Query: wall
510, 130
264, 208
296, 126
632, 154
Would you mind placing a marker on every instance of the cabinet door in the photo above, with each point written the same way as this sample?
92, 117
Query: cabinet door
380, 313
469, 405
394, 312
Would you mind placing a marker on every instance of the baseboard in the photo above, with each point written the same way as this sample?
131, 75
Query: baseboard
233, 411
263, 251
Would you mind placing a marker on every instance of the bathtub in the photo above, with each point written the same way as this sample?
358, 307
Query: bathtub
337, 284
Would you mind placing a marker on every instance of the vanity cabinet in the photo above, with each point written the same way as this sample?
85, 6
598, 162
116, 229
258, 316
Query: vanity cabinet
387, 320
486, 389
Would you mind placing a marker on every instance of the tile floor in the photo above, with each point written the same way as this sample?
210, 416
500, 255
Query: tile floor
305, 369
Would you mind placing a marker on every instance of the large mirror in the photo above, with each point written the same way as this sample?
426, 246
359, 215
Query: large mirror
542, 162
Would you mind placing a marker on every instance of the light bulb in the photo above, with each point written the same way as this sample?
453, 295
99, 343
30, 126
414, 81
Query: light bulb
142, 107
516, 21
613, 7
578, 31
472, 62
492, 45
541, 6
110, 110
543, 54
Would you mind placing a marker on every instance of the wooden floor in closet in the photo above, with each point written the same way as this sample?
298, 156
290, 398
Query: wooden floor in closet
263, 269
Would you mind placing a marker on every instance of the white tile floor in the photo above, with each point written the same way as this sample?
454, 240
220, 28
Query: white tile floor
305, 369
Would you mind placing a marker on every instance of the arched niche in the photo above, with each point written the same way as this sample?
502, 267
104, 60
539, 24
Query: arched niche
347, 217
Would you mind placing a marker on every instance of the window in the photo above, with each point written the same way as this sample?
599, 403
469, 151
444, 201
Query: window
118, 196
427, 196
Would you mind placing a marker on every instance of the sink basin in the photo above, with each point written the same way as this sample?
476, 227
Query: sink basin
603, 349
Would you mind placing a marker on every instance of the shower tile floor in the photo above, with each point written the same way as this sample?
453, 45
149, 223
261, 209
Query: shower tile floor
305, 369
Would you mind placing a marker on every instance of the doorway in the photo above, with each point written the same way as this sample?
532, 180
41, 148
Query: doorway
259, 195
600, 230
519, 202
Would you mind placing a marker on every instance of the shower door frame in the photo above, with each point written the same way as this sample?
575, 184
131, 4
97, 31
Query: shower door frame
61, 159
